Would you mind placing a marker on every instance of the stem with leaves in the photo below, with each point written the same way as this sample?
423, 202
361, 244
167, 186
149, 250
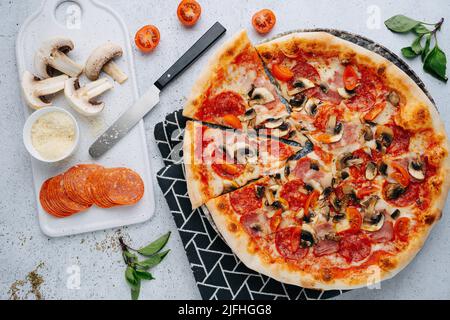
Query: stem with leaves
434, 60
136, 270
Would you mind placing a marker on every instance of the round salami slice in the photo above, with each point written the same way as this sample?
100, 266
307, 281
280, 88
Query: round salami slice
44, 200
96, 189
60, 199
287, 242
75, 183
355, 247
245, 200
122, 186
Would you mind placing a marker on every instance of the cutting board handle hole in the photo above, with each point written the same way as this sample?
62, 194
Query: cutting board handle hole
69, 14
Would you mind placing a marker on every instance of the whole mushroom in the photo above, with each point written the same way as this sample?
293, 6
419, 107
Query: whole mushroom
102, 59
83, 99
36, 91
53, 56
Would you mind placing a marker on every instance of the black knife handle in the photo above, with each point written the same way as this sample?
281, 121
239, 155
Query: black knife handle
208, 39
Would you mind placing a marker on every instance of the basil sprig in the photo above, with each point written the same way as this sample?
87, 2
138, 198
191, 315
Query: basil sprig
434, 59
136, 270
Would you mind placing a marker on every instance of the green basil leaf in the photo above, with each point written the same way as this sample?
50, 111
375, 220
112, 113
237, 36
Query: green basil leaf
417, 46
129, 257
401, 23
421, 29
155, 246
436, 63
135, 291
408, 52
426, 49
153, 261
131, 277
144, 275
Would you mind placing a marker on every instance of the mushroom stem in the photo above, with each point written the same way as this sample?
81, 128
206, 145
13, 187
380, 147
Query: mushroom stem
64, 64
113, 70
50, 86
96, 88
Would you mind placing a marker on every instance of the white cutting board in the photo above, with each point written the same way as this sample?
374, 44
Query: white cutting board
89, 23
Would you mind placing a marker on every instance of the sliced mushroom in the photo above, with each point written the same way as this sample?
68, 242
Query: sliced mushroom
102, 59
393, 98
281, 131
297, 102
384, 136
308, 236
344, 93
331, 123
300, 85
382, 168
335, 202
82, 99
416, 169
373, 222
260, 191
261, 96
52, 56
371, 171
273, 123
393, 191
367, 133
36, 91
311, 106
250, 114
324, 87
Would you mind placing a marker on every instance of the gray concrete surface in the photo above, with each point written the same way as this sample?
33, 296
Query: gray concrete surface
24, 249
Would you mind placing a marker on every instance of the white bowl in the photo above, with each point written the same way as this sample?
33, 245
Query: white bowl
27, 133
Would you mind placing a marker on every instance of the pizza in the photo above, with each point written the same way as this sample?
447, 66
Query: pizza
218, 161
367, 183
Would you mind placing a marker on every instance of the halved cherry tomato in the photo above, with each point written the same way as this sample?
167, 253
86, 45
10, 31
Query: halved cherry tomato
263, 21
401, 228
374, 112
351, 78
400, 174
282, 73
361, 193
188, 12
355, 220
312, 199
232, 121
147, 38
275, 220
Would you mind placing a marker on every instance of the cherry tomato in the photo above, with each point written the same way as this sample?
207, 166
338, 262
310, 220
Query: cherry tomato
282, 73
311, 201
400, 174
351, 78
355, 219
263, 21
147, 38
188, 12
401, 228
232, 121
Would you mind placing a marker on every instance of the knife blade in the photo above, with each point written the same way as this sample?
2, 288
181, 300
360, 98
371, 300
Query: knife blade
150, 99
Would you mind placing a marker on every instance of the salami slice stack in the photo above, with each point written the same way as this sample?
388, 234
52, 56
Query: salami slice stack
85, 185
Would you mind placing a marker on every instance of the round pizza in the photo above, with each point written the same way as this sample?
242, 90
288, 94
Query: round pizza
361, 177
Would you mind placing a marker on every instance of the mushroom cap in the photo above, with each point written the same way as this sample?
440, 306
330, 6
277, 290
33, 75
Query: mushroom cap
99, 57
42, 56
82, 106
28, 82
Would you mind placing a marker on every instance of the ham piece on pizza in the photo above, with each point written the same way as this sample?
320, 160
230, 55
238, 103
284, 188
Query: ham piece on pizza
360, 205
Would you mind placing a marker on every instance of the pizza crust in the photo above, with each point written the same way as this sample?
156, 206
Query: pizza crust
192, 181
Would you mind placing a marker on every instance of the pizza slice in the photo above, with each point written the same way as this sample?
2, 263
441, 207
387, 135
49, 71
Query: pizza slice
217, 161
235, 91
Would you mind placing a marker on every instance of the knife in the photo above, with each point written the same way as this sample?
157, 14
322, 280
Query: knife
151, 98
